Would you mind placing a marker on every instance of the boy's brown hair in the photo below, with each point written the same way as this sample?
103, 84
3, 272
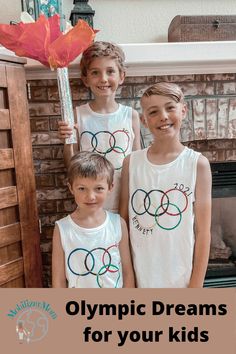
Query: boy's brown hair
101, 49
87, 164
165, 89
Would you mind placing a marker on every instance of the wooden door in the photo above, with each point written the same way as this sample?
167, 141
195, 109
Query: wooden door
20, 259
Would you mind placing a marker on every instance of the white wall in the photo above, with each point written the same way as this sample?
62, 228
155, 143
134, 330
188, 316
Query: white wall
134, 21
10, 10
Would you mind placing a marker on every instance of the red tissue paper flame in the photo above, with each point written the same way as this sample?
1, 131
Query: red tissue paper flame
43, 41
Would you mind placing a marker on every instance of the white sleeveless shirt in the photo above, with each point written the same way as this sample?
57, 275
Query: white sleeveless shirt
161, 219
92, 257
110, 135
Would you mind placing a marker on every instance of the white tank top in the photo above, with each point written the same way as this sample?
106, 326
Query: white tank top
110, 135
92, 257
161, 219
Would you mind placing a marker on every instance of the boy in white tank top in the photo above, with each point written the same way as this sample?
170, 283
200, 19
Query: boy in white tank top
103, 125
166, 198
90, 246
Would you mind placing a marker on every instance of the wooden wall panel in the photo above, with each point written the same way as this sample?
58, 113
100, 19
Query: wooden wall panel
11, 270
7, 178
10, 253
3, 79
20, 257
15, 283
9, 234
8, 197
4, 119
9, 216
6, 159
25, 179
5, 139
3, 98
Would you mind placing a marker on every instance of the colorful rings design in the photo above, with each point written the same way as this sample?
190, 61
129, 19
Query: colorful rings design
162, 208
89, 269
111, 142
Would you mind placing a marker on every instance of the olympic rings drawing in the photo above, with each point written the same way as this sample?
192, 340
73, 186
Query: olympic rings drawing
162, 206
109, 144
89, 263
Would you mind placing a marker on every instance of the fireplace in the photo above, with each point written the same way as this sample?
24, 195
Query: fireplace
222, 264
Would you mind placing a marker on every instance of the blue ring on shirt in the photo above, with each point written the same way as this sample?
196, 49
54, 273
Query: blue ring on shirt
81, 249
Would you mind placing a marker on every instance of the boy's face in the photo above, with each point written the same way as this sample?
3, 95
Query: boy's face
90, 193
103, 77
162, 115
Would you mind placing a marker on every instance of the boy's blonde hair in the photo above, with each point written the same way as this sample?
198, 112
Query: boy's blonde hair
90, 165
165, 89
101, 49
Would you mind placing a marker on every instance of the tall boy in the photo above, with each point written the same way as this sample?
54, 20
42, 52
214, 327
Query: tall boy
166, 198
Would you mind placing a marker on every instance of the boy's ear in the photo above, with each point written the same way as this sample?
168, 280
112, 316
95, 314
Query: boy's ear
122, 77
143, 121
111, 187
184, 110
70, 188
85, 81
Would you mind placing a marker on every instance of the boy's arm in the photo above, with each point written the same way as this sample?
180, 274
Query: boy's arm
64, 131
136, 130
68, 151
202, 225
124, 193
58, 261
127, 267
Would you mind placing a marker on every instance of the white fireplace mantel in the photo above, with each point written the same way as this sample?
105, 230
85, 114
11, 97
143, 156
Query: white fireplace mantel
146, 59
181, 58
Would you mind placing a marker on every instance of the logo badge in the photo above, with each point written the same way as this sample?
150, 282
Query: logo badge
32, 320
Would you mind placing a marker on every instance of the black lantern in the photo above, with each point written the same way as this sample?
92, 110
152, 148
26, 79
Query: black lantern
31, 7
82, 11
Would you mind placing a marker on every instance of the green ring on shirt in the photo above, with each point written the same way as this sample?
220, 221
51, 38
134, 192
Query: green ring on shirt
168, 228
107, 266
122, 151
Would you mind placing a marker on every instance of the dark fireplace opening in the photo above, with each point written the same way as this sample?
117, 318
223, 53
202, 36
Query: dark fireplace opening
221, 270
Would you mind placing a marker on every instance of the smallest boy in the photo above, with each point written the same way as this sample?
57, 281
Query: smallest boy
166, 198
90, 246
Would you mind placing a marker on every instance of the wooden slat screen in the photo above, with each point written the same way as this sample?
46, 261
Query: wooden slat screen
10, 253
9, 234
20, 258
15, 283
8, 197
11, 270
6, 159
3, 80
4, 119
